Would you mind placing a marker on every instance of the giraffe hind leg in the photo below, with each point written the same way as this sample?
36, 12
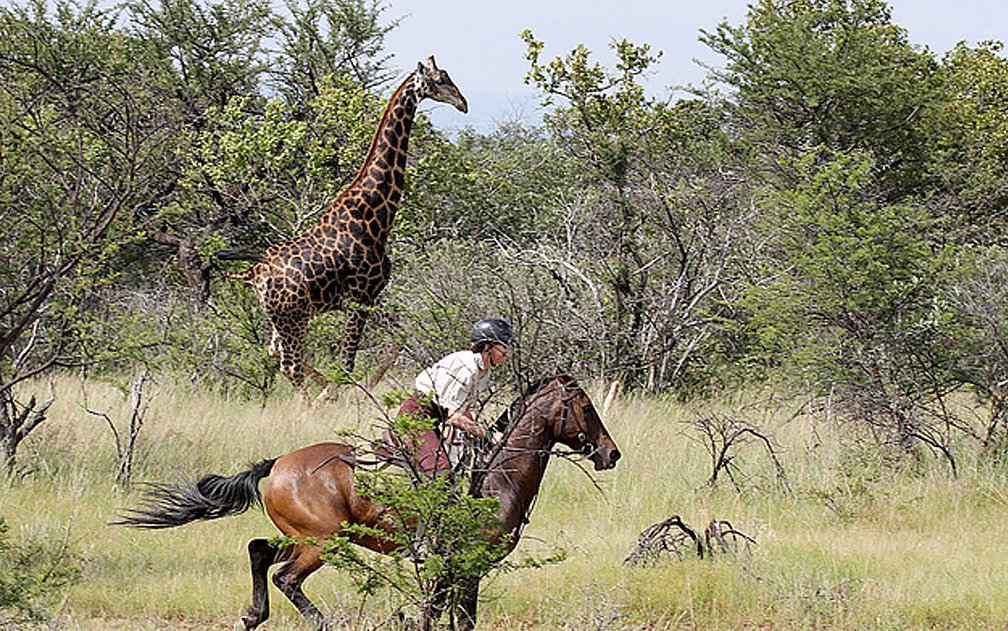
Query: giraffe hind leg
292, 363
353, 329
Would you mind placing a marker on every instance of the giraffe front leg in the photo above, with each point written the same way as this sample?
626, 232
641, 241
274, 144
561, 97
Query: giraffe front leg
353, 329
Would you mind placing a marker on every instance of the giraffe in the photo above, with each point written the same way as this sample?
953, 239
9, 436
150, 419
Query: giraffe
340, 263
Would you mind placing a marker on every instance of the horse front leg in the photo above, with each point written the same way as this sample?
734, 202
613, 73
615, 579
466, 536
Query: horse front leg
435, 607
470, 598
262, 555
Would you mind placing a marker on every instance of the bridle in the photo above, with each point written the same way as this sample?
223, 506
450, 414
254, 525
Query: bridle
588, 449
567, 403
568, 396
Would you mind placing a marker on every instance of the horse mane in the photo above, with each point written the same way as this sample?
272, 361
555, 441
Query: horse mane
514, 411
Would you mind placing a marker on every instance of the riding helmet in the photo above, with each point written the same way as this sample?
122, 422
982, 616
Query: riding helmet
493, 330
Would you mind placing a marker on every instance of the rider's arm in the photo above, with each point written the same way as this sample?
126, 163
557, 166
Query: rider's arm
462, 420
465, 422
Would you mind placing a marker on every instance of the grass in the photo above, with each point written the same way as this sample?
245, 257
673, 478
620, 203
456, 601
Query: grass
854, 544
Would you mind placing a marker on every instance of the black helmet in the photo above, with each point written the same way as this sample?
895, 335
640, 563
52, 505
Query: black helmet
493, 330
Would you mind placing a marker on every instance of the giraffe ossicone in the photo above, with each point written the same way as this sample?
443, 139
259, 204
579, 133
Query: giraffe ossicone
340, 263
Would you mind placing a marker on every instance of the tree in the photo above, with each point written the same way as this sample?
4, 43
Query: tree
229, 86
876, 163
215, 49
646, 234
438, 526
978, 295
84, 136
325, 38
115, 180
849, 299
967, 134
828, 73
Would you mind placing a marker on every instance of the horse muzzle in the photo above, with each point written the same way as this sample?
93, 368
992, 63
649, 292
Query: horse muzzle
605, 456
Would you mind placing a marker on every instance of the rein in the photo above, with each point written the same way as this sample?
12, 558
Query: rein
510, 452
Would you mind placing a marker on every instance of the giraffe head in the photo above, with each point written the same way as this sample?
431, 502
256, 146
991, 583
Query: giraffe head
432, 83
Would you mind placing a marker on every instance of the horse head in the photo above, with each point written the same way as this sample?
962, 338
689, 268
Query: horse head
578, 425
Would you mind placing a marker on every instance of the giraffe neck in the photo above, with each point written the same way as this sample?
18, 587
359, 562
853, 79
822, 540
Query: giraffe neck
380, 179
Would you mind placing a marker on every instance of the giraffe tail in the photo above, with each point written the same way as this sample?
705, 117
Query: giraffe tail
235, 254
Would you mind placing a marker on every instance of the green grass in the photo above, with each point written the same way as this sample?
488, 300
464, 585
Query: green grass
853, 545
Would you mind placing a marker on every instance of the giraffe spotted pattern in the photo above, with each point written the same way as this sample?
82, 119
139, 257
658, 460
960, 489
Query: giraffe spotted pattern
340, 262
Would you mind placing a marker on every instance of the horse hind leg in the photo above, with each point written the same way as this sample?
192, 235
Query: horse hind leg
262, 554
303, 561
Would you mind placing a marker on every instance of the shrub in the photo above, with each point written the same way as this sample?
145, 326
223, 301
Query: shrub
33, 575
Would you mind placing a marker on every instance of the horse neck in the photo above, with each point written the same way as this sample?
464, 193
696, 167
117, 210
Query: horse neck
516, 473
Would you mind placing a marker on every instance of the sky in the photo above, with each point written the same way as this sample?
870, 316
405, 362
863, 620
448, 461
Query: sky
478, 41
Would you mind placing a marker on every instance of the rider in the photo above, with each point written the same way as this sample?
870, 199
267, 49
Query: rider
449, 391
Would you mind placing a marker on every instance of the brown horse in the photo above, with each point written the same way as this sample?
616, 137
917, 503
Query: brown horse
309, 493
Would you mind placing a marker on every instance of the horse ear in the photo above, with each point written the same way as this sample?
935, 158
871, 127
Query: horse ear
615, 390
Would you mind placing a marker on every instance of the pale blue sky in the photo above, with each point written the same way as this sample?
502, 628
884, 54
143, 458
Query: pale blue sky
478, 41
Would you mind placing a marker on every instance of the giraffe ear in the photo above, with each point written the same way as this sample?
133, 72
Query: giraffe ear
428, 69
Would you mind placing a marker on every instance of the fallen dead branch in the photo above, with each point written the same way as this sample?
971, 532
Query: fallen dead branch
675, 537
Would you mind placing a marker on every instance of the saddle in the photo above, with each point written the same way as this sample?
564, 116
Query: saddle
426, 453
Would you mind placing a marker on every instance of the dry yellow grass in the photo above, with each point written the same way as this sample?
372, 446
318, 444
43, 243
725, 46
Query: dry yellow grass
851, 546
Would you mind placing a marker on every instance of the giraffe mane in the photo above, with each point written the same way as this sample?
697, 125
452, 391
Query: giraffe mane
386, 115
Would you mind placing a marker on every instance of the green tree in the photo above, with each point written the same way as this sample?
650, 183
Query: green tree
967, 135
644, 237
503, 186
828, 73
215, 49
230, 87
849, 297
324, 38
438, 526
84, 138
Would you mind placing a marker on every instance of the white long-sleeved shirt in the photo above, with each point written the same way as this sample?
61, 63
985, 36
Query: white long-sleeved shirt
456, 381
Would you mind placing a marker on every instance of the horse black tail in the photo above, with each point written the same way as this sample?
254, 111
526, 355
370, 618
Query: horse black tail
210, 497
